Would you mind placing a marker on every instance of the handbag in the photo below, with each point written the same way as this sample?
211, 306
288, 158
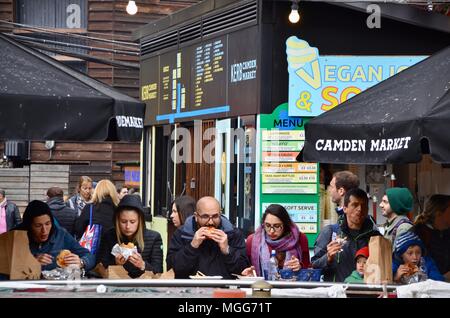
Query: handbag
309, 275
91, 236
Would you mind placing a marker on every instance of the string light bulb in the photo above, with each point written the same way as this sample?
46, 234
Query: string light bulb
132, 7
294, 16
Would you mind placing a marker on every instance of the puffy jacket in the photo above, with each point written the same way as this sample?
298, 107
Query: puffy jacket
207, 258
152, 254
344, 262
65, 216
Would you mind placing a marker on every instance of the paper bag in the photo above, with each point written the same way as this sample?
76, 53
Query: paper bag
16, 260
118, 272
378, 268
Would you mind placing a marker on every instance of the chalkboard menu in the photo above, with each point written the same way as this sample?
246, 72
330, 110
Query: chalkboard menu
213, 78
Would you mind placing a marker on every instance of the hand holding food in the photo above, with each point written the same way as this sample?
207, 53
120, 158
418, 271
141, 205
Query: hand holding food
60, 259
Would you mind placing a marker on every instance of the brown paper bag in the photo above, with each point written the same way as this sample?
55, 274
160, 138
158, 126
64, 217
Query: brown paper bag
16, 259
379, 264
118, 272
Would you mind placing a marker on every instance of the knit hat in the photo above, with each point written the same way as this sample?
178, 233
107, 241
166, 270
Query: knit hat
404, 241
362, 252
400, 200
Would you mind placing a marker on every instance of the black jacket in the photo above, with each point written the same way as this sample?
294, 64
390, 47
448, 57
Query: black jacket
186, 260
344, 262
65, 216
152, 254
12, 215
102, 213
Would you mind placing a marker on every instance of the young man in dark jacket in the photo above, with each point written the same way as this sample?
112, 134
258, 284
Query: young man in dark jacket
336, 245
65, 215
207, 242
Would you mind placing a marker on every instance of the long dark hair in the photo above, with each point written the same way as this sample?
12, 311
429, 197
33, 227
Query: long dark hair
185, 207
435, 205
280, 212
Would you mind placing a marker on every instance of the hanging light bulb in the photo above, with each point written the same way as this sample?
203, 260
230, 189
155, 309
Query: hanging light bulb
294, 16
132, 7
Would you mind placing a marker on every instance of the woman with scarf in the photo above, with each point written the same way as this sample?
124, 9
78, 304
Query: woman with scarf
277, 232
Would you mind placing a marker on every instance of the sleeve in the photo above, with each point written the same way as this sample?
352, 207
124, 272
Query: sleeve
104, 255
248, 245
17, 218
236, 260
155, 259
320, 260
432, 270
306, 262
183, 258
71, 244
82, 222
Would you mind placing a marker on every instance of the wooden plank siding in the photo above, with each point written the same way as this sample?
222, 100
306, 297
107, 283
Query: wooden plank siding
202, 172
6, 13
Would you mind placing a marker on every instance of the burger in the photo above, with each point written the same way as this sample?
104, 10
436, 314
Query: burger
412, 269
60, 258
210, 230
129, 245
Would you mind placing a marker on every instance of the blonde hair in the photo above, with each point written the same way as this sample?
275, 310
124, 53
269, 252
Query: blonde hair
104, 189
138, 237
82, 180
436, 204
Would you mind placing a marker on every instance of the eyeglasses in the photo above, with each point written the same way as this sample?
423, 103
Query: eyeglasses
206, 217
275, 227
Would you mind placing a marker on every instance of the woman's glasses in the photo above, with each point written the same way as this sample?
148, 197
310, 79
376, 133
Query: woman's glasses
274, 227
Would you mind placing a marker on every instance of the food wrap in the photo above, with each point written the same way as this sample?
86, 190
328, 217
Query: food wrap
124, 251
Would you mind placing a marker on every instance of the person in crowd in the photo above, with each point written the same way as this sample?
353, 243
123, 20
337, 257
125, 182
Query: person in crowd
433, 228
394, 205
104, 202
182, 208
9, 213
341, 182
65, 215
121, 191
336, 245
357, 276
207, 242
277, 232
83, 195
129, 227
47, 240
410, 263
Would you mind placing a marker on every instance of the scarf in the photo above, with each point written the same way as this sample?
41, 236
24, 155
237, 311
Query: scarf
3, 223
261, 245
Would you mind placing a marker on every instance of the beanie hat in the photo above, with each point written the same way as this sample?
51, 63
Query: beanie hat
400, 200
404, 241
362, 252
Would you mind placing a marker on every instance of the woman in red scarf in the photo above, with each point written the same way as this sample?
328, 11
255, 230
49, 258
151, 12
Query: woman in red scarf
277, 232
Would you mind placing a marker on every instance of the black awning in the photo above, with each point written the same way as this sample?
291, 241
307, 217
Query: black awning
393, 122
42, 99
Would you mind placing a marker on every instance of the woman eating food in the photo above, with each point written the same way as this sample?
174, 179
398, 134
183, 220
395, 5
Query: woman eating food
129, 232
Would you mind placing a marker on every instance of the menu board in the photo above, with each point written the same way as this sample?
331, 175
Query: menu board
216, 78
285, 181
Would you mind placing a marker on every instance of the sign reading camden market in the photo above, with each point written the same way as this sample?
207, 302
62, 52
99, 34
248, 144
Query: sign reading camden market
320, 83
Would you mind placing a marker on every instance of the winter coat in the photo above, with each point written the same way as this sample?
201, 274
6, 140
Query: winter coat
207, 258
152, 254
12, 215
65, 216
344, 262
102, 213
59, 240
437, 244
431, 268
302, 242
355, 278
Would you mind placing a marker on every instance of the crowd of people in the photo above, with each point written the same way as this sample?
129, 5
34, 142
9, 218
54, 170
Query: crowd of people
206, 241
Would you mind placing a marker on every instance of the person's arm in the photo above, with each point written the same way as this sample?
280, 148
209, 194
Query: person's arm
182, 256
320, 258
71, 244
17, 218
432, 270
236, 260
82, 222
104, 255
154, 261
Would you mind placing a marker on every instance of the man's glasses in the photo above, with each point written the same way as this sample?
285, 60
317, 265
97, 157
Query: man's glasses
206, 217
275, 227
